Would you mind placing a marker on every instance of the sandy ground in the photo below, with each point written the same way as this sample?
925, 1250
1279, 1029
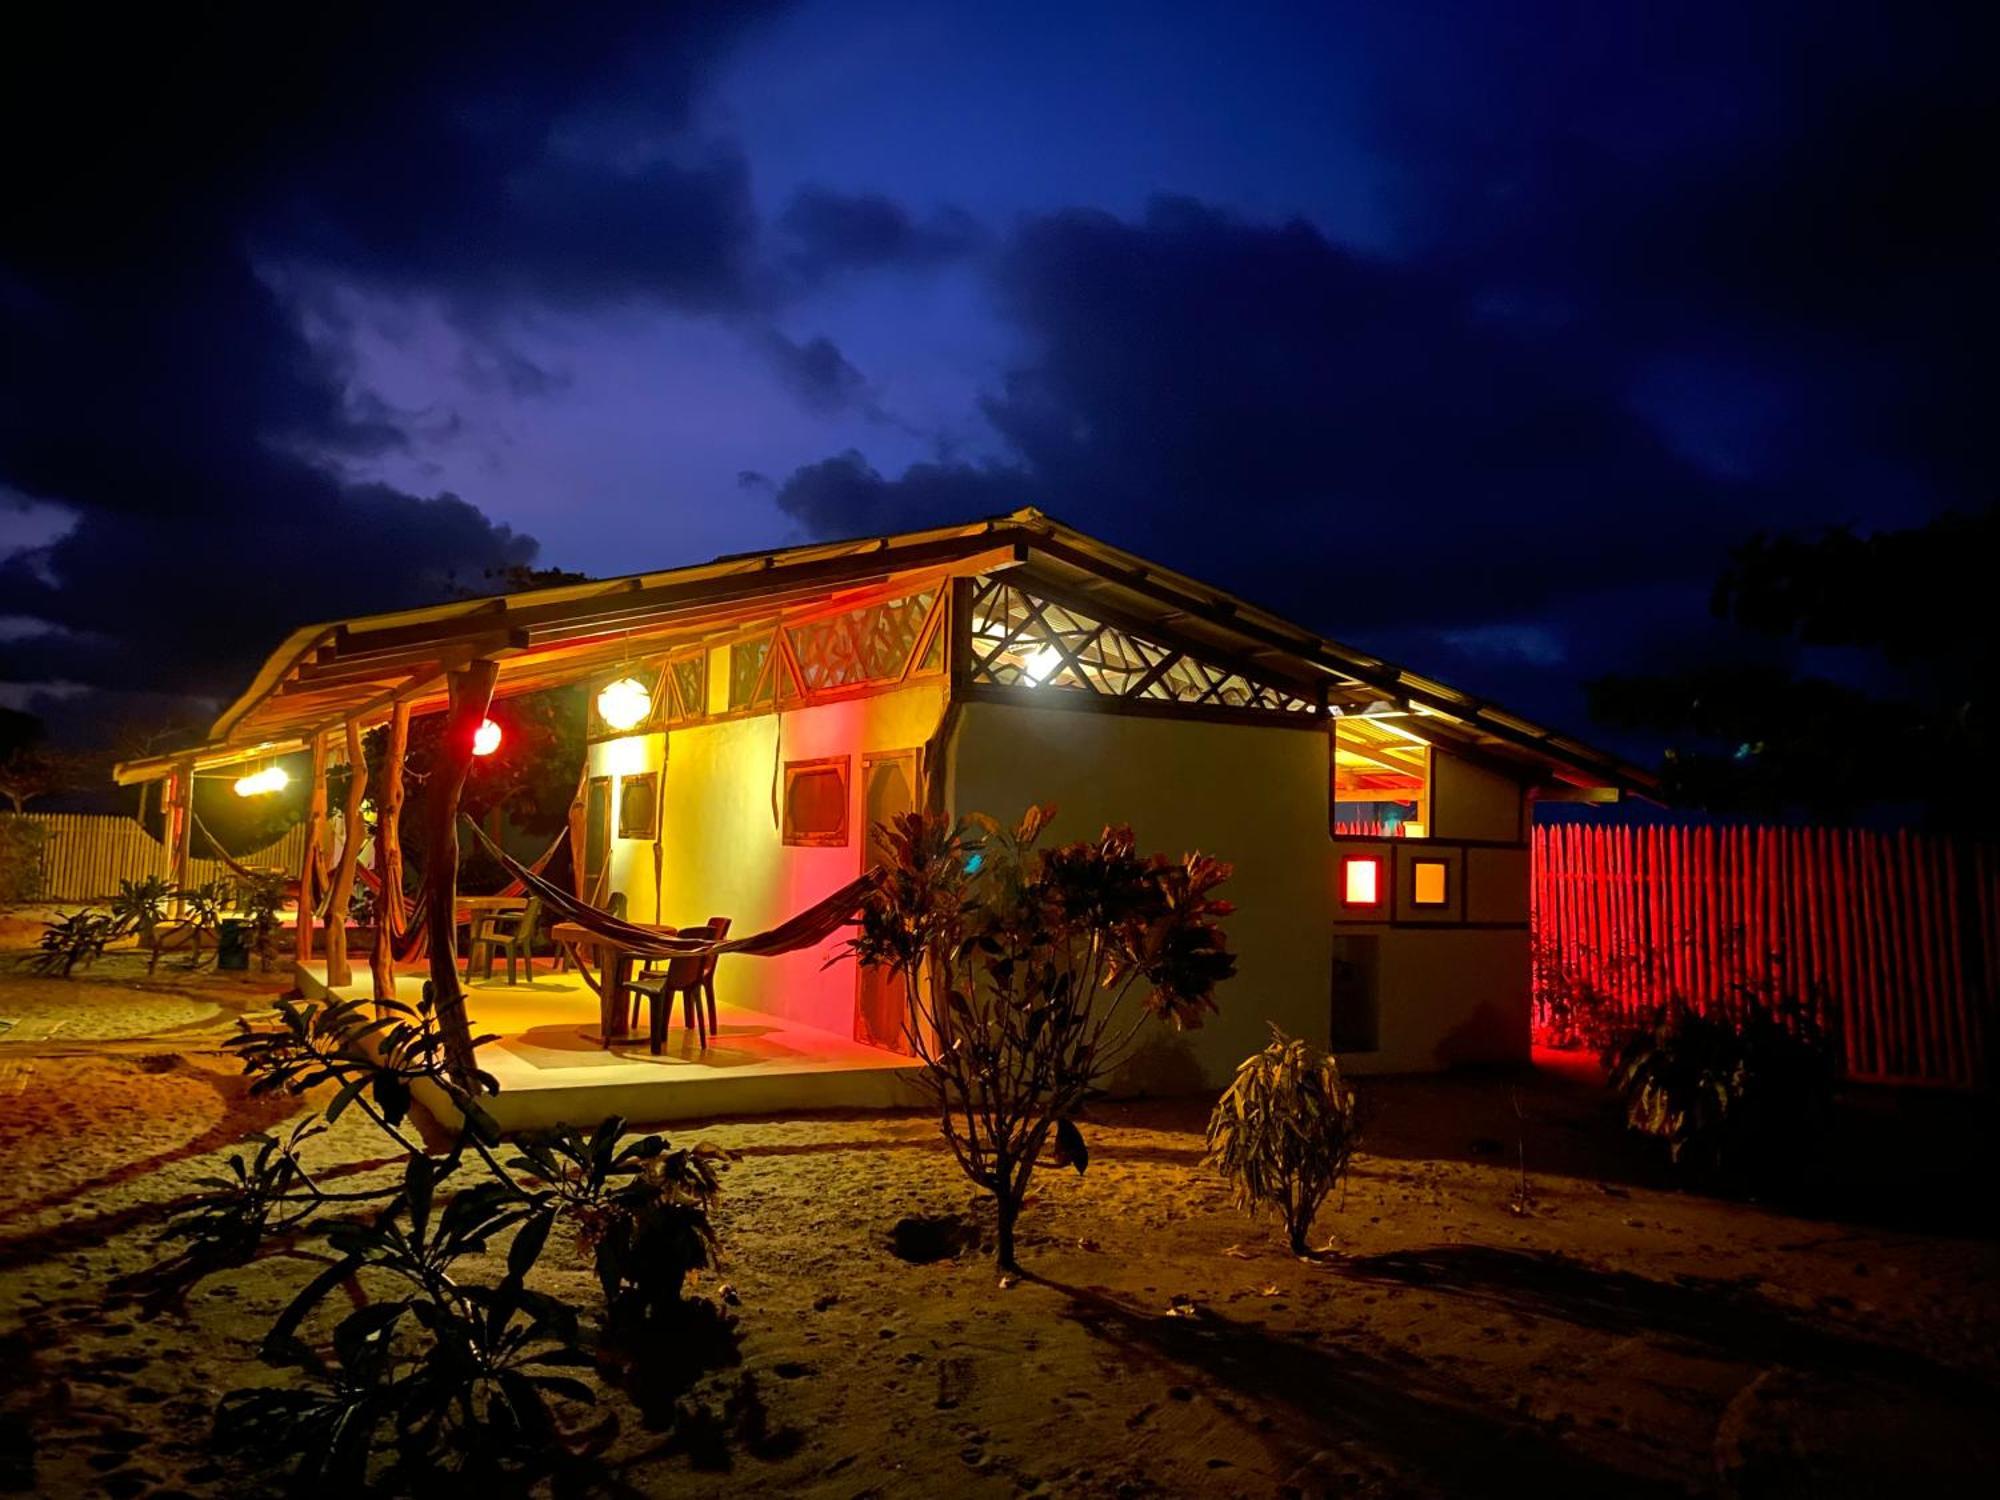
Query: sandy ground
1619, 1338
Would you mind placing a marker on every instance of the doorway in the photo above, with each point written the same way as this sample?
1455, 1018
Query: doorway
881, 1003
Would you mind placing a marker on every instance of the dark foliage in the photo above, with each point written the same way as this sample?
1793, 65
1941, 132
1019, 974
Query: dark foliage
1739, 1089
79, 937
1018, 964
641, 1212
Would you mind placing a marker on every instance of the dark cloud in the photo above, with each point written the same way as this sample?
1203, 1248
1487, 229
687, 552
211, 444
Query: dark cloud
822, 233
1658, 278
817, 373
1253, 402
175, 174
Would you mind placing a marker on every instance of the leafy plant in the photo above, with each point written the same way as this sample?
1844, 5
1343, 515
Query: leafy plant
1018, 965
451, 1376
202, 907
141, 906
1283, 1133
445, 1373
1574, 993
641, 1212
80, 937
1730, 1087
21, 843
261, 899
266, 1193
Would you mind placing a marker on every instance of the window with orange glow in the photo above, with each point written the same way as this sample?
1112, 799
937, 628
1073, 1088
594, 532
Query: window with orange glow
1381, 777
1361, 881
1429, 883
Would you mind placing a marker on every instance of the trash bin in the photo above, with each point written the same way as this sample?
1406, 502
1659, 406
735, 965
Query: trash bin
232, 950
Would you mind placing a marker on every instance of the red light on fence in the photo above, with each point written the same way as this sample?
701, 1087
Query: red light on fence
486, 738
1361, 880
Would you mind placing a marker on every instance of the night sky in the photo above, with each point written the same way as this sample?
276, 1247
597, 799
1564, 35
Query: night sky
1472, 335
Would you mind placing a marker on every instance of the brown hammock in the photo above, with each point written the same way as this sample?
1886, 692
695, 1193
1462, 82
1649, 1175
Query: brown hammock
808, 929
416, 940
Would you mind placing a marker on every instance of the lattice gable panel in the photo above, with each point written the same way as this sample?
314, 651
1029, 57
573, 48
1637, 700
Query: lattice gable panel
1021, 640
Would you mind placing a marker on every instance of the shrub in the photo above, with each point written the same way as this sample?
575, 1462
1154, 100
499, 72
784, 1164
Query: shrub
1737, 1087
21, 843
77, 938
439, 1371
141, 906
261, 898
1283, 1133
1574, 992
641, 1213
1018, 967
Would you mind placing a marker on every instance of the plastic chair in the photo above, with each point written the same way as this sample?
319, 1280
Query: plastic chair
509, 933
682, 977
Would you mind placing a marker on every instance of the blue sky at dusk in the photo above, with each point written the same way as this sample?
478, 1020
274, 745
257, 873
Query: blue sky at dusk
1476, 335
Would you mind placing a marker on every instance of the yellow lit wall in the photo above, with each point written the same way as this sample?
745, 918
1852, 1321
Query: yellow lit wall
721, 852
631, 859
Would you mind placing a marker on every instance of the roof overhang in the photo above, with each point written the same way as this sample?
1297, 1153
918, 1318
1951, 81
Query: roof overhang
357, 670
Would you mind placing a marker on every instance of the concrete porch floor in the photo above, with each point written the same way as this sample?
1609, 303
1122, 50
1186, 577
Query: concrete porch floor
552, 1068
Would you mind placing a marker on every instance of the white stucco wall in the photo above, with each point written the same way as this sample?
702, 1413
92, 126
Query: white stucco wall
1449, 994
1254, 796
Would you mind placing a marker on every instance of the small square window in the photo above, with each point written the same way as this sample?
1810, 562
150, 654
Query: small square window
1429, 883
639, 806
816, 802
1361, 880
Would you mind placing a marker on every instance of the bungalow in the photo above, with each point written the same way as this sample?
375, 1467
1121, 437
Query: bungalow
753, 718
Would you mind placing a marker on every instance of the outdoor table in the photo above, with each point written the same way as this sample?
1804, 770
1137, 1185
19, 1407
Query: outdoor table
472, 908
614, 973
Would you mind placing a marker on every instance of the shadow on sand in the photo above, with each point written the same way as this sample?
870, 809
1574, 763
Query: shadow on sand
1721, 1319
1360, 1407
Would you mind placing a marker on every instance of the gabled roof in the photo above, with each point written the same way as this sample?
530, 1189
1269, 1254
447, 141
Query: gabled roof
323, 675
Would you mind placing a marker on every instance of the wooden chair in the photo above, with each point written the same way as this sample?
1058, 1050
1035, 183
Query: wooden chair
682, 977
511, 934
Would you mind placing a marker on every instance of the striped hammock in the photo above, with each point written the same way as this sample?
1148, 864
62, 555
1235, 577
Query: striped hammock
806, 929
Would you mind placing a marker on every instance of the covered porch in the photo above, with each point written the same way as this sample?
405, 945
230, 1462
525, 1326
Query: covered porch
553, 1067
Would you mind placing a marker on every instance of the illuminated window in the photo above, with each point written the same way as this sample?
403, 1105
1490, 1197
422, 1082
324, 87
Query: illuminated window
816, 802
1428, 885
1381, 778
1361, 880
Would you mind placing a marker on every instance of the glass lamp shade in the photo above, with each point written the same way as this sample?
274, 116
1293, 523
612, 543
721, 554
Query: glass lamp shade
624, 703
486, 738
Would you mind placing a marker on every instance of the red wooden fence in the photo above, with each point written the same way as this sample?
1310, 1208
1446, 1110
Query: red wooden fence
1896, 935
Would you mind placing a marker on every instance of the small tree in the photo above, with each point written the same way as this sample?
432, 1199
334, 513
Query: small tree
141, 907
1284, 1132
261, 898
1019, 964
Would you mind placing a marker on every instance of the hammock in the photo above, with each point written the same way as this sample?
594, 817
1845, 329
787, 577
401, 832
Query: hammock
808, 929
417, 925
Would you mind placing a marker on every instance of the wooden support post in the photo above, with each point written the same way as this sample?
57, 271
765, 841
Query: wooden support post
471, 691
391, 915
178, 805
338, 970
309, 861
